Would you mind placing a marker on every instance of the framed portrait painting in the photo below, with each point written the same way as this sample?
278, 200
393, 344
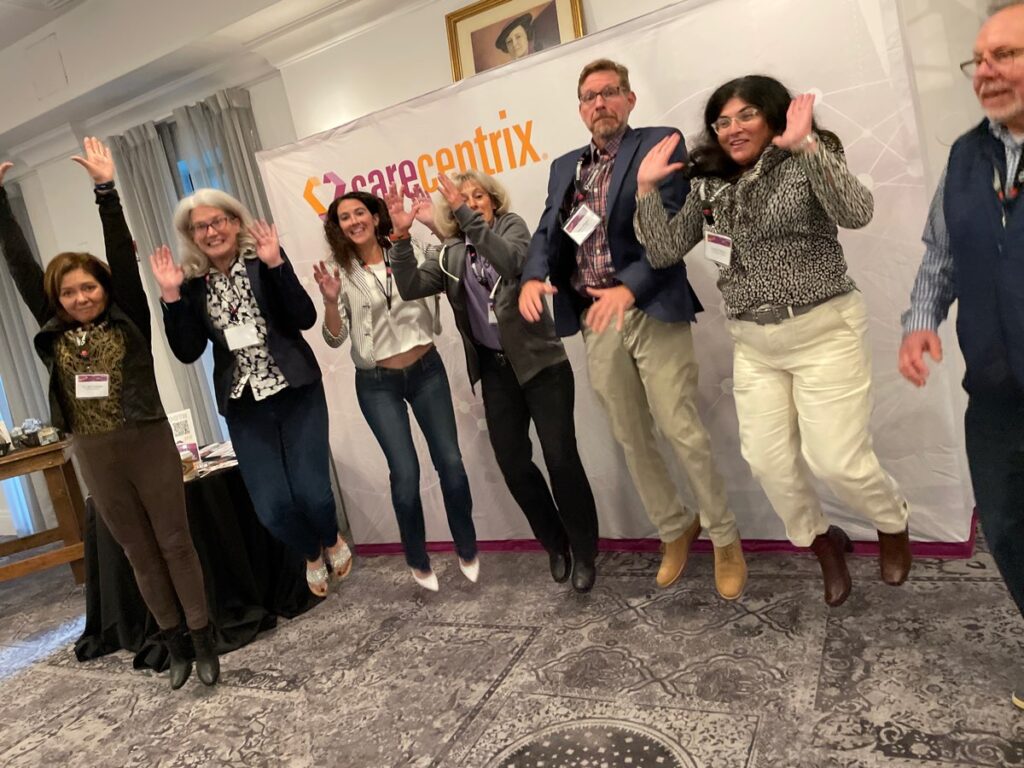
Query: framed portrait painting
490, 33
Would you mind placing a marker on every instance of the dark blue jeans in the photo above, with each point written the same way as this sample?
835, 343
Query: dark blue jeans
284, 456
383, 394
994, 429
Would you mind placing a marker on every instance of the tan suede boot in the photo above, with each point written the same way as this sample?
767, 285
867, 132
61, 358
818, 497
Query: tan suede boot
730, 570
677, 551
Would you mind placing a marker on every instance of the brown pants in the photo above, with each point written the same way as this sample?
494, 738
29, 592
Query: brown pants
134, 476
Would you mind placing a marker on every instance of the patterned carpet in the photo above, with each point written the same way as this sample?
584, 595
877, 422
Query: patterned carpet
517, 671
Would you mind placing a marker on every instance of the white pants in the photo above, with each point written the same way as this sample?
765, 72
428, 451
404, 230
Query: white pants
803, 397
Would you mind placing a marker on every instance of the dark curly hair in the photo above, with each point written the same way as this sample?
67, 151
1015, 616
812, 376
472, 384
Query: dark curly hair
770, 96
341, 247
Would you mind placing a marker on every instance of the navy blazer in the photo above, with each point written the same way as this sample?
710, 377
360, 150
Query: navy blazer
285, 306
662, 293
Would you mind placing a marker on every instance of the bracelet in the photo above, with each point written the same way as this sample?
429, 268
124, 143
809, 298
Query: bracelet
394, 238
801, 146
105, 186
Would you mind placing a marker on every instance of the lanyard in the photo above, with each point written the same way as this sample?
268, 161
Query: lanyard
480, 273
594, 173
1007, 198
387, 291
706, 210
230, 277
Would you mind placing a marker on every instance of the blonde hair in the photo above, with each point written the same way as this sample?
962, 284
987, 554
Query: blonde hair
445, 221
194, 262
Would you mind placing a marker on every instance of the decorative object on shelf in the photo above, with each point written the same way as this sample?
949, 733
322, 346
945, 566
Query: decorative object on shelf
490, 33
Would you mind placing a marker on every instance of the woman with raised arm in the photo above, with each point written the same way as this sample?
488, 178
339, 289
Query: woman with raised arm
95, 340
397, 367
237, 289
522, 367
768, 191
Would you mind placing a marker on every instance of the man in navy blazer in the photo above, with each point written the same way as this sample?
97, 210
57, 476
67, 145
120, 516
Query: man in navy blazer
642, 367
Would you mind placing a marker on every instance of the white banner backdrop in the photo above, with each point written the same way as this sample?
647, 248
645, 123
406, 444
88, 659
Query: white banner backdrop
515, 120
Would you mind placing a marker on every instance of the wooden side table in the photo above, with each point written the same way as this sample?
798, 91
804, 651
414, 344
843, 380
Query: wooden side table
54, 461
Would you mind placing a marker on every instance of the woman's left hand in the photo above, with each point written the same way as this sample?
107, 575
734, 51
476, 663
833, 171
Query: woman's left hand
97, 161
799, 123
268, 247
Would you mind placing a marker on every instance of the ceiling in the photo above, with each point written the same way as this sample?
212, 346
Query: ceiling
19, 18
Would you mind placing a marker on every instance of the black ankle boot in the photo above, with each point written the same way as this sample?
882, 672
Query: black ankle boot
177, 647
207, 663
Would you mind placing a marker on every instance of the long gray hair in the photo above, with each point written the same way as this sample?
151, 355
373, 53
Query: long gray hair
194, 262
444, 220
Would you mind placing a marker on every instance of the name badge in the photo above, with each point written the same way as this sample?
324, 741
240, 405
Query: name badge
581, 224
718, 248
241, 336
92, 386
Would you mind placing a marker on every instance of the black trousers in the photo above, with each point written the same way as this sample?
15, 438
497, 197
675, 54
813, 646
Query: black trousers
994, 428
569, 520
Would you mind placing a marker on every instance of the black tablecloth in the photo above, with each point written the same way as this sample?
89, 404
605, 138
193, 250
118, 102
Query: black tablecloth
251, 578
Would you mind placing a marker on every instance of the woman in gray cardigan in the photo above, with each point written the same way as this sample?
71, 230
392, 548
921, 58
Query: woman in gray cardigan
522, 367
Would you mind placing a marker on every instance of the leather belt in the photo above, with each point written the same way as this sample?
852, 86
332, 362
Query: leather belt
773, 314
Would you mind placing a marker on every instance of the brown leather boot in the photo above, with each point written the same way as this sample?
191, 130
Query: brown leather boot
894, 556
677, 552
830, 548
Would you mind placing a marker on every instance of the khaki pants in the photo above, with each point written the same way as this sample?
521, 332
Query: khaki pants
646, 375
803, 397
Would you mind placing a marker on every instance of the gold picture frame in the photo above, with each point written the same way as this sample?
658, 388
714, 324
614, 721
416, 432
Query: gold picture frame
490, 33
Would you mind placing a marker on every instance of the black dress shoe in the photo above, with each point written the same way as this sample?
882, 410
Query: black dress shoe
583, 575
207, 663
180, 655
561, 566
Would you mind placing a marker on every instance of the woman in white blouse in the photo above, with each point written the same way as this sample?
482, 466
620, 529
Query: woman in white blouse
396, 365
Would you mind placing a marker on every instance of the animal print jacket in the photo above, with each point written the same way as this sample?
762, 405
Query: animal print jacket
782, 216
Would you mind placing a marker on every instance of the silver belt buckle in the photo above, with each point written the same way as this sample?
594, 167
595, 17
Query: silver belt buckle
769, 315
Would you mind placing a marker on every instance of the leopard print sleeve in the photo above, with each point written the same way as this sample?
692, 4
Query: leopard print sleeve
845, 199
667, 242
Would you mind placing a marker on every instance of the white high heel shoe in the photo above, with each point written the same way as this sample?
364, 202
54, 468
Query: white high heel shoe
428, 582
470, 570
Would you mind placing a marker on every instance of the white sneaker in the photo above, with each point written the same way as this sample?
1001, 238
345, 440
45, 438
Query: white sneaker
428, 582
470, 570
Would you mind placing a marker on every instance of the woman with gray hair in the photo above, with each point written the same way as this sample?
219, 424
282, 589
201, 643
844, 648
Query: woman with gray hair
522, 367
236, 288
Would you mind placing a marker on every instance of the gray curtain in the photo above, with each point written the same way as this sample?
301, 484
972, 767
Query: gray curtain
218, 141
149, 194
21, 373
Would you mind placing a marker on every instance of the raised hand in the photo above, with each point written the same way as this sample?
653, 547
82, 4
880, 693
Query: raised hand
328, 281
911, 359
97, 161
531, 299
610, 302
423, 208
4, 168
655, 167
268, 247
169, 276
401, 219
799, 123
450, 192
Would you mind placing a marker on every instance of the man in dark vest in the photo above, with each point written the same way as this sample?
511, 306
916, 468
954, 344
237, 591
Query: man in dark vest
975, 255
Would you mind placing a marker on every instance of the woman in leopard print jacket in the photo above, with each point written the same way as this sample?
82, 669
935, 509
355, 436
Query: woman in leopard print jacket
768, 192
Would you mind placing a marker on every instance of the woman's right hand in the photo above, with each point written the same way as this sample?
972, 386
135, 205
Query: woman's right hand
4, 168
655, 167
169, 276
329, 282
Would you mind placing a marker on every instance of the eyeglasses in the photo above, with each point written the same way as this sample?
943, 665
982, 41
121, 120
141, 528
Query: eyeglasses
1000, 59
609, 93
744, 117
201, 227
